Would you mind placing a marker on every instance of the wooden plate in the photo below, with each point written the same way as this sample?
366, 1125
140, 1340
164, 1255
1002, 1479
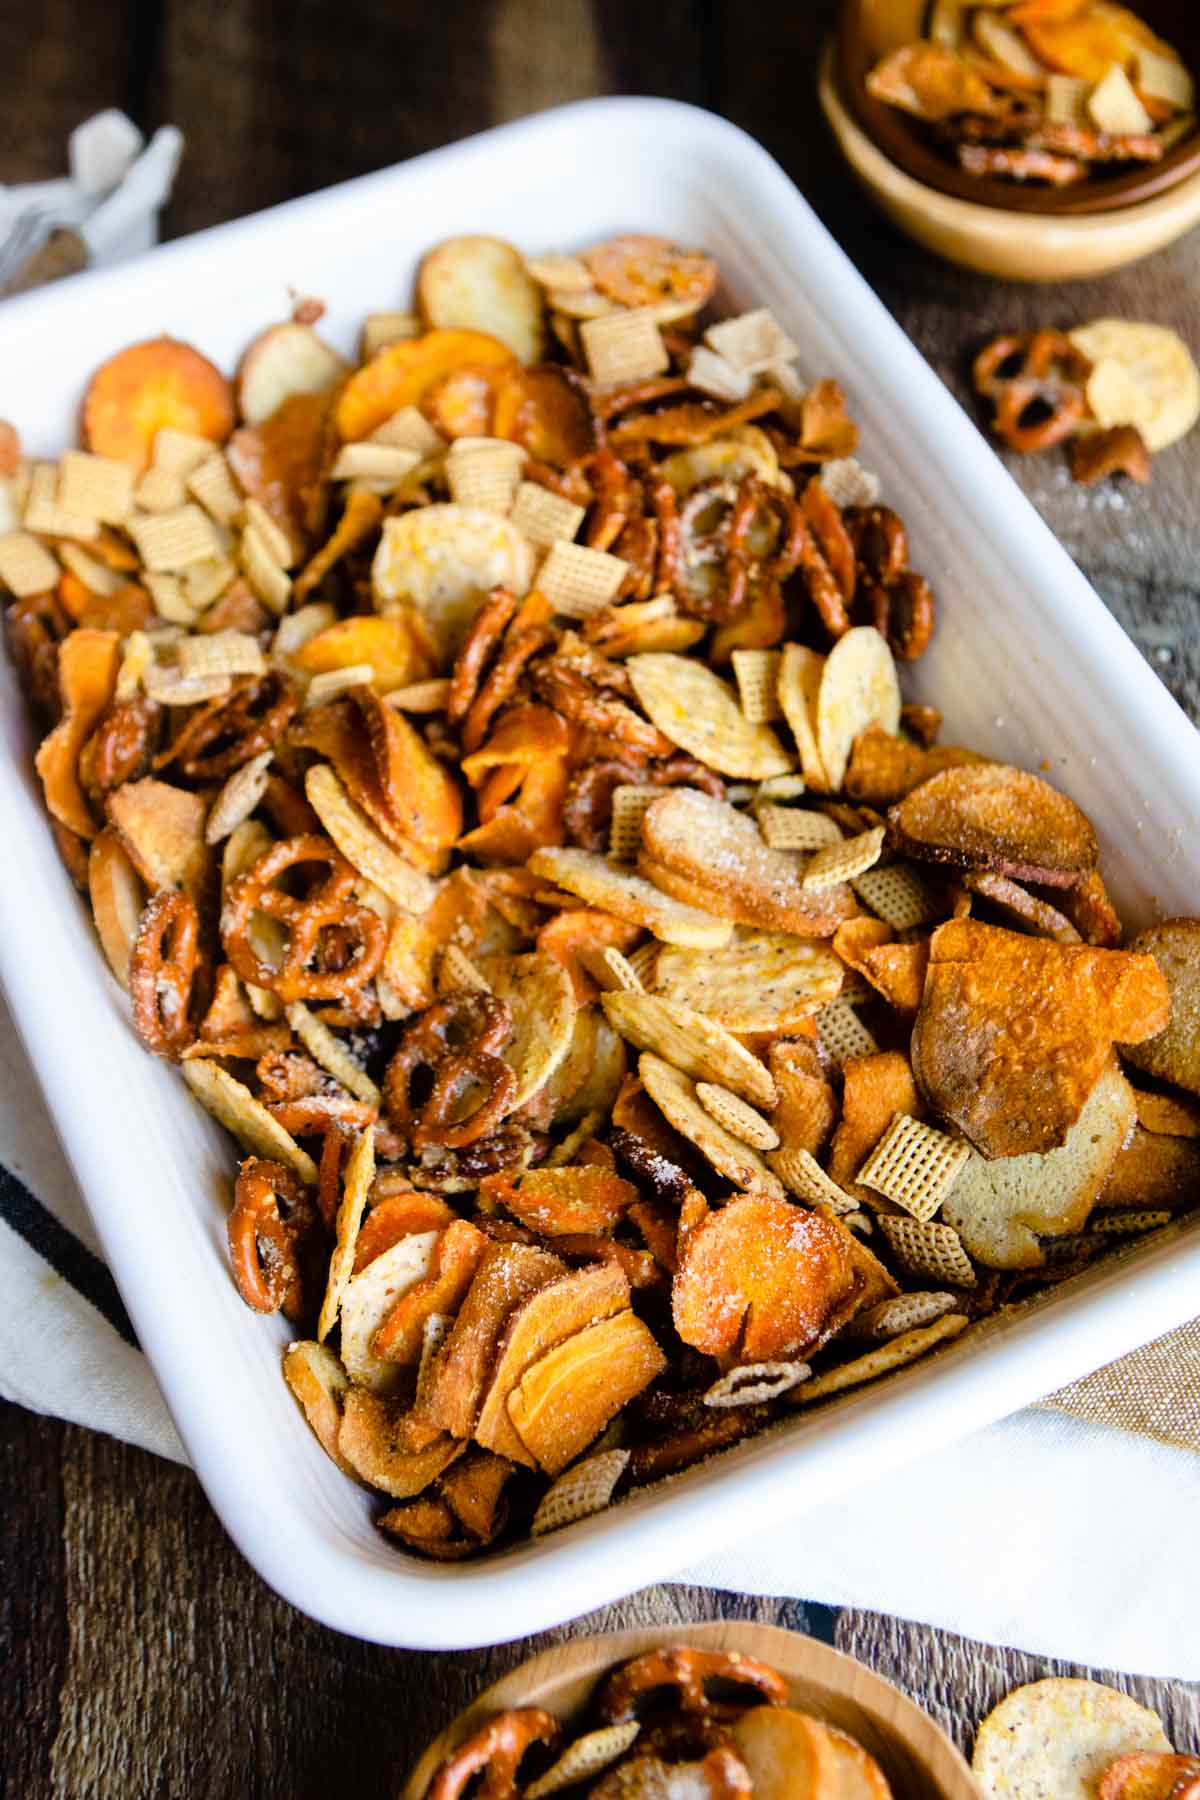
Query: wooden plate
869, 29
918, 1759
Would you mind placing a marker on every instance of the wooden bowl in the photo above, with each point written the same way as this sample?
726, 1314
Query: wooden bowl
1019, 246
918, 1759
869, 29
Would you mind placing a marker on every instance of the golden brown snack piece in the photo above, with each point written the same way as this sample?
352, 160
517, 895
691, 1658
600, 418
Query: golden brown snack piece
1053, 1739
1150, 1775
875, 1088
148, 387
566, 1398
496, 1751
1035, 381
462, 1368
761, 1279
1121, 450
480, 284
1174, 1053
1015, 1081
996, 817
932, 82
687, 1674
87, 670
1000, 1208
713, 850
1154, 1171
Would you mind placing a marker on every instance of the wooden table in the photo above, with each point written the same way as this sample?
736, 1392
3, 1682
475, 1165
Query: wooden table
141, 1656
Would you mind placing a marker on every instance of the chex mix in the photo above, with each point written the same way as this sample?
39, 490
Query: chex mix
487, 767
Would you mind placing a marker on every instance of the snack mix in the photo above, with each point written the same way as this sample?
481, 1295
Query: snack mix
489, 775
1056, 92
673, 1724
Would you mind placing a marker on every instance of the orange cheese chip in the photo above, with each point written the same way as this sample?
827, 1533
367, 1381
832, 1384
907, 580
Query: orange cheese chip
1014, 1078
761, 1279
458, 1254
402, 373
87, 673
148, 387
555, 1202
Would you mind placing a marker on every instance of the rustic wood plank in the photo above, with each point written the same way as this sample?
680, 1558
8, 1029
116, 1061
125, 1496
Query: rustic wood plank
62, 61
33, 1633
959, 1680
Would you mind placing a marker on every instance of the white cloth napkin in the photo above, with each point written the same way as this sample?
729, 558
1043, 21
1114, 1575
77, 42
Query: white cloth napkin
1043, 1533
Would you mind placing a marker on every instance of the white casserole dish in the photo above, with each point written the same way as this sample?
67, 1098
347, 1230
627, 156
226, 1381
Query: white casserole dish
1027, 665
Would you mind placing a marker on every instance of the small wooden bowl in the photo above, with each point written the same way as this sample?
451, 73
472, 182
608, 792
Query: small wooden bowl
1018, 246
869, 29
918, 1759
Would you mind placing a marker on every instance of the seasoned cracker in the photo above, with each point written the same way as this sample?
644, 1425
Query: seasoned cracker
26, 567
542, 1003
45, 514
804, 1176
212, 484
731, 1111
800, 673
545, 518
387, 464
691, 1042
594, 879
923, 1248
159, 490
895, 1354
794, 828
757, 675
697, 711
357, 1177
1053, 1739
171, 541
752, 341
583, 1490
234, 1106
222, 653
902, 1313
271, 583
848, 484
899, 896
578, 582
238, 798
97, 487
753, 1384
842, 862
842, 1032
179, 452
328, 1050
359, 842
255, 514
629, 807
675, 1096
585, 1757
456, 971
485, 474
624, 346
711, 374
914, 1165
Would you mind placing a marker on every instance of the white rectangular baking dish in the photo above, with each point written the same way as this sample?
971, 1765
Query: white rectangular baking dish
1027, 664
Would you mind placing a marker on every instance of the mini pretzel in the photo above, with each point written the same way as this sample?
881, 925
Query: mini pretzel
494, 1752
566, 687
35, 627
453, 1043
587, 808
501, 680
487, 630
220, 737
901, 602
326, 905
271, 1223
1038, 369
162, 969
616, 499
688, 1673
122, 746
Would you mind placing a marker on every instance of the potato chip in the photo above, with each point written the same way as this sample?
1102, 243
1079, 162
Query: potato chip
442, 561
931, 81
696, 710
594, 879
675, 1096
362, 846
357, 1176
544, 1320
759, 981
318, 1383
162, 828
538, 991
234, 1106
582, 1491
1163, 372
858, 688
1016, 1082
690, 1041
1001, 1208
563, 1402
481, 284
1053, 1739
747, 450
374, 1441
